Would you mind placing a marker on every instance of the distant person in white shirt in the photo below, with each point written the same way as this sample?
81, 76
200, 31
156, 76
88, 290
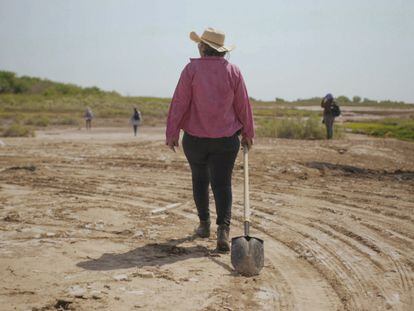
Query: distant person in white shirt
88, 115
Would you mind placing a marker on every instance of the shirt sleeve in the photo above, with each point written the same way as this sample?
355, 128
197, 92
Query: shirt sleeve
180, 104
243, 108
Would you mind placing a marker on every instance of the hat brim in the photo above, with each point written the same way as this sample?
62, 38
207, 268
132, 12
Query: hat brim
220, 48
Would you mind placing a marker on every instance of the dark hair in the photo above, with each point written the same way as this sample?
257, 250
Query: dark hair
209, 51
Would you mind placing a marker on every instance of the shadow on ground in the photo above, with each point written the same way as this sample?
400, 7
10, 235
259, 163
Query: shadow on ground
154, 254
362, 172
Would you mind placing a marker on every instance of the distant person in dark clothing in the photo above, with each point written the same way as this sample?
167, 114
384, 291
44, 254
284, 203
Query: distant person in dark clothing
328, 114
136, 120
88, 115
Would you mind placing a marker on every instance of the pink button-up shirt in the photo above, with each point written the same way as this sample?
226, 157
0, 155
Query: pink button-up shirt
210, 100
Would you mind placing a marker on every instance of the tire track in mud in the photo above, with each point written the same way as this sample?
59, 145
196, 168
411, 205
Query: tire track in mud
356, 215
283, 299
344, 202
306, 250
359, 275
290, 289
391, 236
371, 221
298, 285
148, 198
141, 194
386, 211
381, 248
336, 271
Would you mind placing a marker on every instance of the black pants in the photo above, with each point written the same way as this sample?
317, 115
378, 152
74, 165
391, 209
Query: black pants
329, 121
212, 161
88, 124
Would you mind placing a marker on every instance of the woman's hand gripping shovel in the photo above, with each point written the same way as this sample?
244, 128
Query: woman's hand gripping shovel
247, 252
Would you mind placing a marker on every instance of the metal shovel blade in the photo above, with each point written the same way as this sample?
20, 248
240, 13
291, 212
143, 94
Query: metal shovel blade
247, 255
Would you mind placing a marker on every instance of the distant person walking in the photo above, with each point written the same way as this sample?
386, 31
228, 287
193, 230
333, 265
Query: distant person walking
136, 120
88, 115
211, 105
330, 111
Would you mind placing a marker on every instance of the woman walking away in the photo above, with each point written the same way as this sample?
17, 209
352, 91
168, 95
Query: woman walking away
88, 118
211, 105
136, 120
328, 105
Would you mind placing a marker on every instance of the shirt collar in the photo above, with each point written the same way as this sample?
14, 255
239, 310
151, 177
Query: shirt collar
207, 58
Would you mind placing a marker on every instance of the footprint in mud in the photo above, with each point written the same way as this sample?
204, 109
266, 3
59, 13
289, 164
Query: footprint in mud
58, 304
12, 217
62, 304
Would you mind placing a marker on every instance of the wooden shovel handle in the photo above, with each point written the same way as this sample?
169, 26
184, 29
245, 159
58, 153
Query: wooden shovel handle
246, 185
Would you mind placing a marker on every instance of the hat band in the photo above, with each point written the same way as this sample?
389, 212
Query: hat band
212, 42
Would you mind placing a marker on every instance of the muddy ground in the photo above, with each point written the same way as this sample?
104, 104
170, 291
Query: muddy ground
104, 221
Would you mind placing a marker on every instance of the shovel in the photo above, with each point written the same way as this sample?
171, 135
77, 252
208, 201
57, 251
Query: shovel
247, 252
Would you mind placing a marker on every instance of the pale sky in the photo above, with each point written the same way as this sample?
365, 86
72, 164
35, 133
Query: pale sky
290, 49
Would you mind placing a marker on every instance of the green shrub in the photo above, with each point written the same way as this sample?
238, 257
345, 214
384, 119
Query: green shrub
10, 83
313, 129
297, 128
290, 128
38, 120
397, 128
338, 131
66, 121
112, 113
6, 81
17, 130
263, 111
267, 128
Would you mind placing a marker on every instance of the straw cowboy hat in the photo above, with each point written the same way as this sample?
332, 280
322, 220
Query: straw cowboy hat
213, 38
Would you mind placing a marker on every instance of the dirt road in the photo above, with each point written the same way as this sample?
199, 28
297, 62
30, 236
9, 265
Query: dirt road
104, 221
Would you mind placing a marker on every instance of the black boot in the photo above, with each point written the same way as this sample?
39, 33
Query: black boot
223, 244
203, 230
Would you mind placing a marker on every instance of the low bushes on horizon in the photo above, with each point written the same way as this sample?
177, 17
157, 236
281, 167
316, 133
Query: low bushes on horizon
17, 130
292, 128
10, 83
69, 110
283, 112
396, 128
66, 121
38, 120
